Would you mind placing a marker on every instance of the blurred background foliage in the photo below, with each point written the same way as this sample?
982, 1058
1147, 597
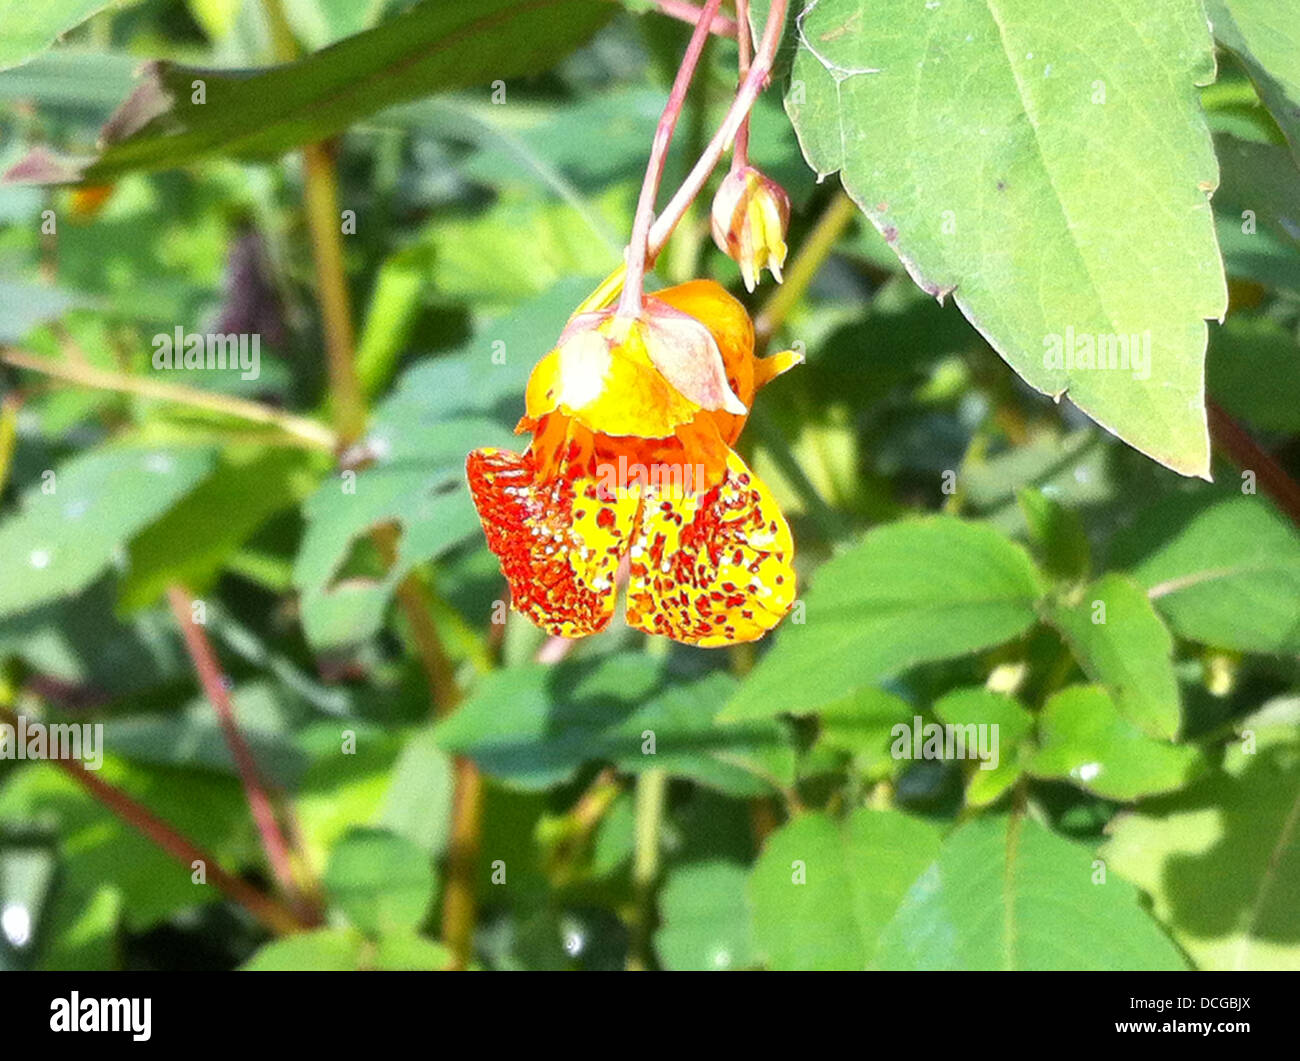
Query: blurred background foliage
1125, 826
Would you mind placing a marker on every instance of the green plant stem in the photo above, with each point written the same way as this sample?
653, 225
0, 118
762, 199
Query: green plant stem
301, 428
9, 406
651, 802
275, 915
321, 200
812, 255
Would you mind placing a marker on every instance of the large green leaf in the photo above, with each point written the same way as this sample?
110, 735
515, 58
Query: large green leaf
1120, 641
534, 726
1049, 165
822, 890
1083, 738
192, 542
1265, 35
908, 593
74, 523
1005, 893
382, 881
31, 28
704, 922
435, 46
1221, 859
1228, 575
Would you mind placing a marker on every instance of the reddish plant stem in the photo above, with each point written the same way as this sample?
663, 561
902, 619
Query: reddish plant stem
269, 911
629, 304
1248, 455
759, 71
208, 669
720, 25
740, 154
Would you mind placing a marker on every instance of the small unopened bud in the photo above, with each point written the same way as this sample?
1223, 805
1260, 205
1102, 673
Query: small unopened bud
750, 216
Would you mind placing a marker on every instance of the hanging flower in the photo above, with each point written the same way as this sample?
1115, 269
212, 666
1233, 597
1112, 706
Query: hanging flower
630, 467
749, 219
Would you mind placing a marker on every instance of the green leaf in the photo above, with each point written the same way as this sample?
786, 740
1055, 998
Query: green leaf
978, 706
823, 890
192, 542
1120, 641
383, 882
862, 725
1265, 36
418, 803
535, 725
192, 738
1254, 372
910, 592
344, 950
61, 540
1228, 576
704, 922
31, 28
23, 306
1005, 893
1221, 860
435, 46
995, 187
325, 950
427, 502
1084, 739
1055, 533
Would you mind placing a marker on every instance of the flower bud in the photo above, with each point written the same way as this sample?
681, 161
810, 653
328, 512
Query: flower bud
750, 216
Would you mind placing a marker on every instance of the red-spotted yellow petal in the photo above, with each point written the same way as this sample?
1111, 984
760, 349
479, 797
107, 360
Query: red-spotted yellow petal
713, 568
559, 540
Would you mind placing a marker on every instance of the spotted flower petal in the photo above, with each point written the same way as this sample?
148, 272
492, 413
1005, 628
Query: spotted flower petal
713, 568
560, 539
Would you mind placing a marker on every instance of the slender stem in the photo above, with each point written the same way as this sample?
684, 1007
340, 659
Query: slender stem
740, 154
269, 911
638, 248
651, 801
204, 658
321, 198
759, 71
684, 10
9, 406
459, 905
1248, 455
417, 607
302, 428
814, 251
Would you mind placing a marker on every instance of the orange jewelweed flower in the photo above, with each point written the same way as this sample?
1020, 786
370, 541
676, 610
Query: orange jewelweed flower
631, 464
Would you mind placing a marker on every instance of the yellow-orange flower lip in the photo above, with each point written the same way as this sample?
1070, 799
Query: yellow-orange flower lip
630, 474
